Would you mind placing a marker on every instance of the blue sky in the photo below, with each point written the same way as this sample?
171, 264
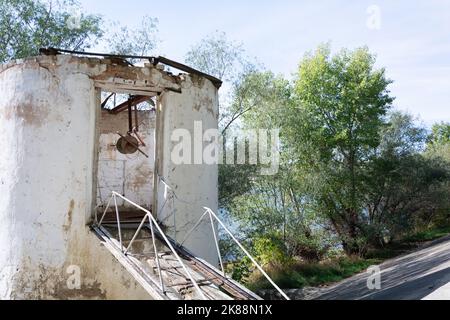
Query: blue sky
412, 41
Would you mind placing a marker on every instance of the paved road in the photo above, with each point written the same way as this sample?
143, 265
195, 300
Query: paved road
423, 274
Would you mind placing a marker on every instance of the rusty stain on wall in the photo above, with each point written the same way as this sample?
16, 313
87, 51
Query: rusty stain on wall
131, 175
57, 95
69, 215
31, 115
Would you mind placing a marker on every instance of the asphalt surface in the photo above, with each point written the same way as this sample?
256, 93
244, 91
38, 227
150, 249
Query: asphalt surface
422, 274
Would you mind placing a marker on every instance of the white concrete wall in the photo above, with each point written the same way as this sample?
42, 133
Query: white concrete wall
196, 185
128, 174
48, 172
47, 125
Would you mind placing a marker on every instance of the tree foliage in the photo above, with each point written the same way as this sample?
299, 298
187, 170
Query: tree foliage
225, 59
440, 134
218, 56
342, 101
28, 25
353, 172
140, 41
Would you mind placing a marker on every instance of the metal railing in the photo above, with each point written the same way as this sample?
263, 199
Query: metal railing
213, 216
153, 224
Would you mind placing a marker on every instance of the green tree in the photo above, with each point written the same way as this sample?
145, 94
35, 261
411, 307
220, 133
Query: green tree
225, 59
438, 142
255, 101
440, 134
274, 212
27, 25
404, 189
334, 128
218, 56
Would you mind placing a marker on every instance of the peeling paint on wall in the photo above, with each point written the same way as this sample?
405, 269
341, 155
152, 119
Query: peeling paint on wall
48, 169
132, 174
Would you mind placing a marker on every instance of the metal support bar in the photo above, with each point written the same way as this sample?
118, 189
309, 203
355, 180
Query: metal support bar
136, 234
135, 100
154, 60
136, 121
130, 117
104, 212
153, 221
247, 253
217, 243
118, 222
193, 228
156, 254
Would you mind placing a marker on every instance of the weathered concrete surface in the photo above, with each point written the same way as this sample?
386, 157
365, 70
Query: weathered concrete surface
48, 110
423, 274
196, 183
129, 174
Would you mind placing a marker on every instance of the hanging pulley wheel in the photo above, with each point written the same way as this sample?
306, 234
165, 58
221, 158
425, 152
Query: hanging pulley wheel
127, 144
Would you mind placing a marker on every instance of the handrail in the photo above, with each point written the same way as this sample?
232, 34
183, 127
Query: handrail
152, 221
211, 216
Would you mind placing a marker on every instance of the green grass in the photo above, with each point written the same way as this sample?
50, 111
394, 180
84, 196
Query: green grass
302, 274
428, 235
391, 250
408, 243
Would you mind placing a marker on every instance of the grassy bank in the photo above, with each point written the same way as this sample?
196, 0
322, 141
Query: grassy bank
297, 275
300, 274
429, 235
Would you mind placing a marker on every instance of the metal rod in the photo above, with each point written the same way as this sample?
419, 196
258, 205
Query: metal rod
193, 228
130, 117
156, 254
118, 222
139, 138
154, 60
167, 242
107, 55
174, 218
136, 119
106, 100
104, 213
162, 207
217, 243
248, 254
136, 234
130, 202
135, 100
217, 82
179, 260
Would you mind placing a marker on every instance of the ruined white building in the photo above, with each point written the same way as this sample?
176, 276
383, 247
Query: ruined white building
60, 161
